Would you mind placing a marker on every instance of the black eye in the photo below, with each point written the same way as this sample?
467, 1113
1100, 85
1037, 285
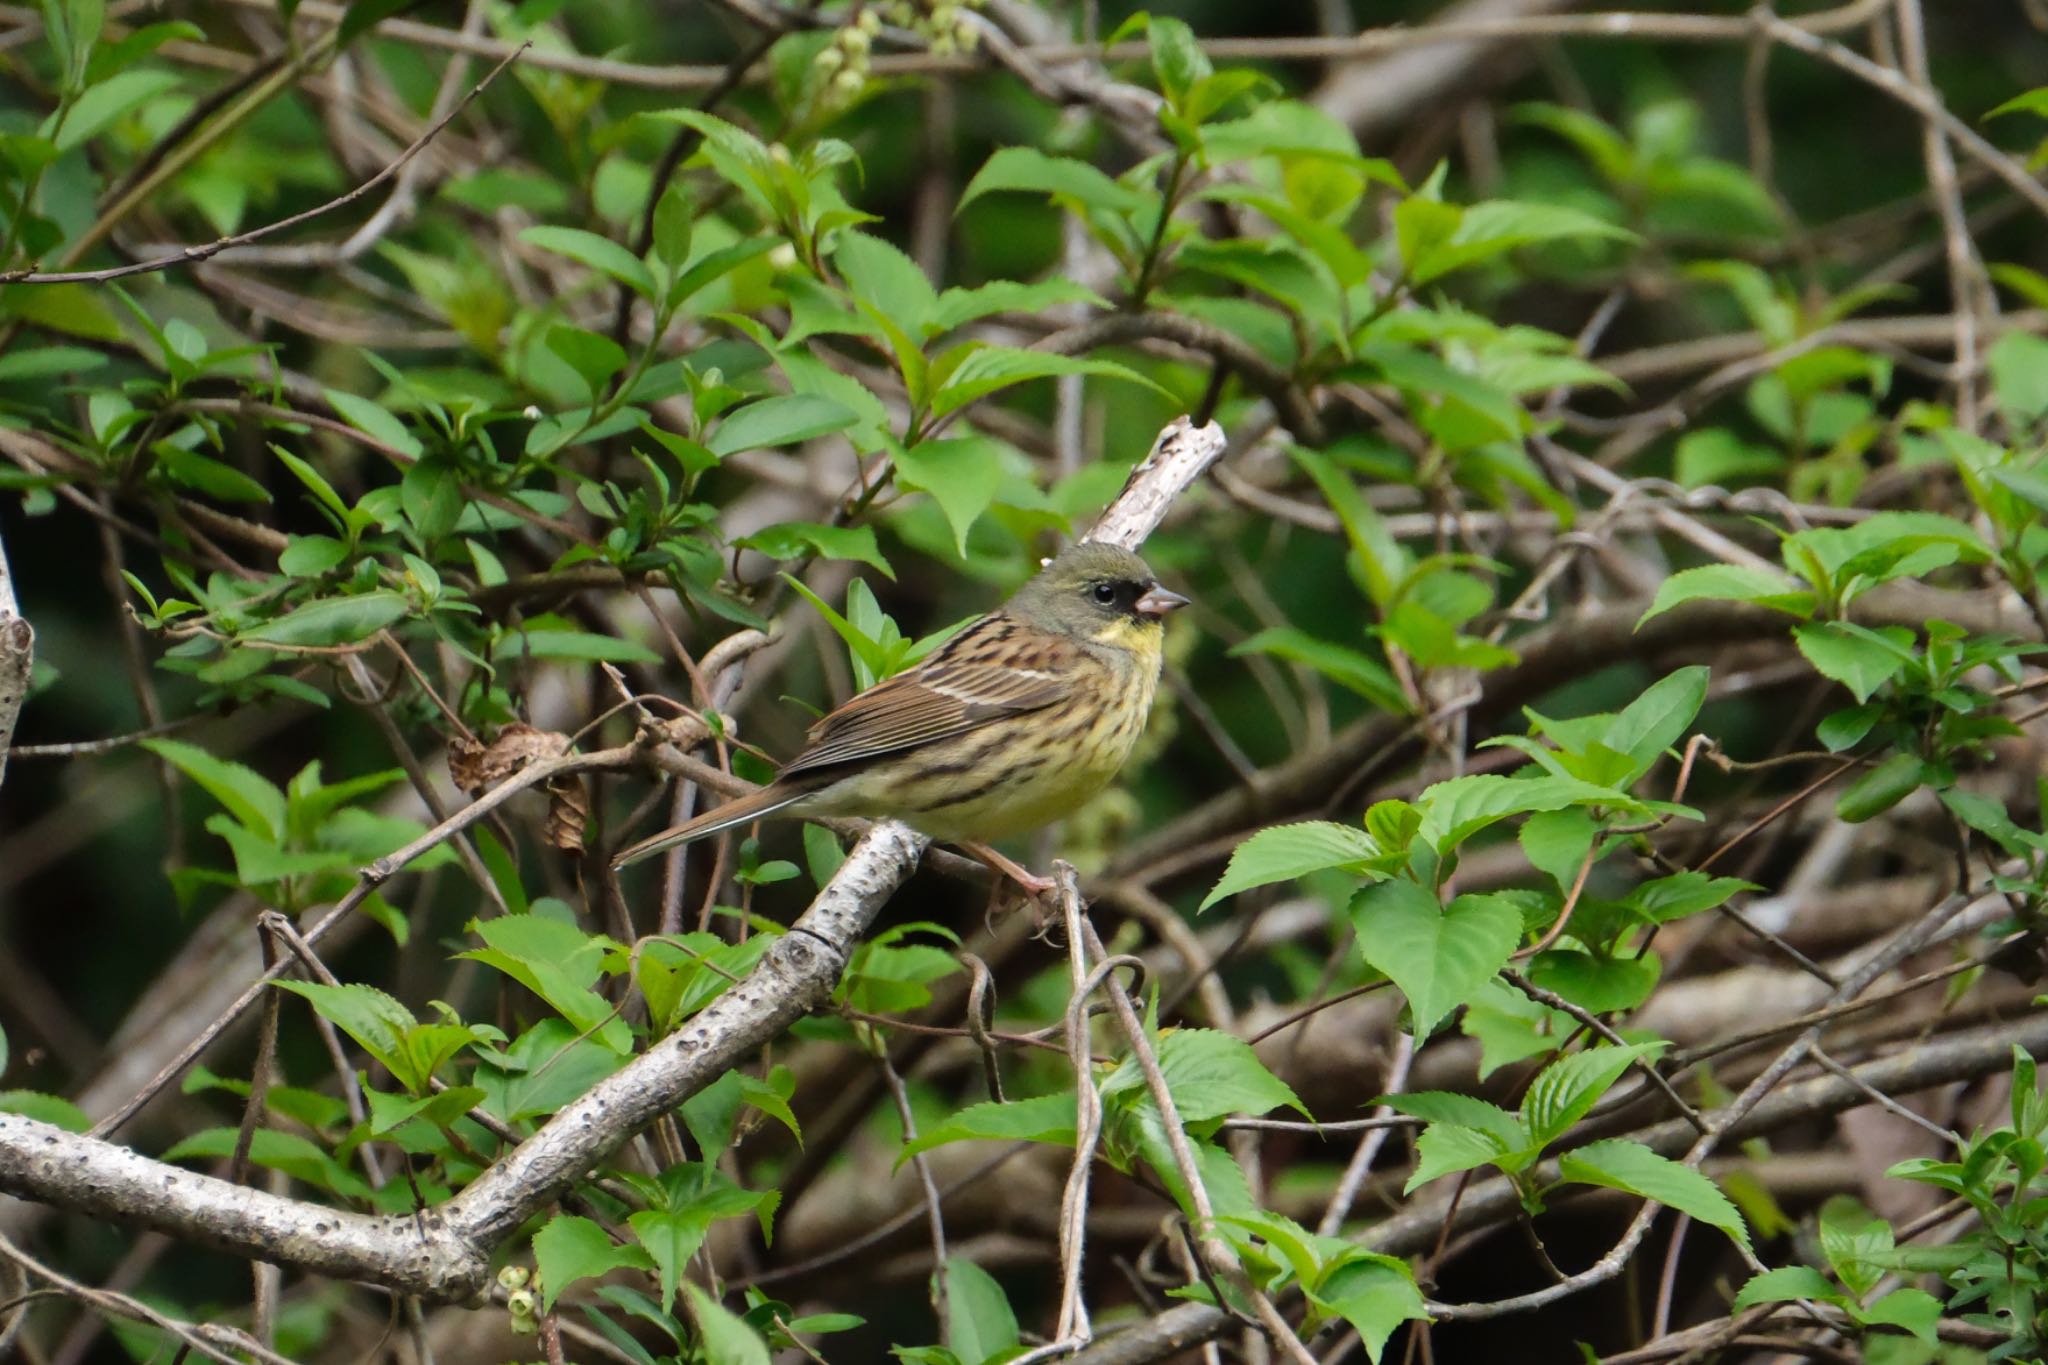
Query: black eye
1105, 593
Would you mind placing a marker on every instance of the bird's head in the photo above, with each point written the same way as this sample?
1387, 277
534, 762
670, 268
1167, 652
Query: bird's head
1098, 592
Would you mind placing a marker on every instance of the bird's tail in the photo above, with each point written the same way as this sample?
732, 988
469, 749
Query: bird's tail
752, 806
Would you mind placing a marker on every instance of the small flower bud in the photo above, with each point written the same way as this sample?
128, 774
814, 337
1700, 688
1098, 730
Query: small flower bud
869, 22
829, 60
513, 1277
778, 154
783, 255
855, 41
521, 1303
848, 83
943, 45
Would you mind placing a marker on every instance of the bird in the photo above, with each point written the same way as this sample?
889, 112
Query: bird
1016, 720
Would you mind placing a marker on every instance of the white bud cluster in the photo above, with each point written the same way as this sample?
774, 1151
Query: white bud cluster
844, 64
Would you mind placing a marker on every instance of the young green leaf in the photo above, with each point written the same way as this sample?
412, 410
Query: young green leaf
1439, 957
1630, 1166
1285, 852
572, 1248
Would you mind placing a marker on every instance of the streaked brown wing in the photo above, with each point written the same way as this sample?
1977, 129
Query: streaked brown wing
960, 688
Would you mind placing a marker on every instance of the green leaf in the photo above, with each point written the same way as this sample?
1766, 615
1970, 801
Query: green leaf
1438, 957
1851, 656
246, 794
1785, 1284
1209, 1074
1450, 1108
1630, 1166
376, 1021
1026, 168
1882, 787
883, 278
1341, 664
962, 474
1375, 1294
1565, 1090
1557, 841
433, 498
1857, 1243
1654, 721
373, 420
1285, 852
1457, 809
1910, 1309
1045, 1118
794, 539
1684, 893
1731, 583
579, 645
1447, 1148
2034, 101
1603, 985
672, 227
986, 369
54, 1110
2019, 375
780, 420
47, 362
571, 1248
599, 253
1381, 560
595, 358
557, 962
726, 1338
333, 620
980, 1324
957, 307
101, 104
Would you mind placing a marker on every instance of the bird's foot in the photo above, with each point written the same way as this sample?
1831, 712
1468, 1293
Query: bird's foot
1033, 885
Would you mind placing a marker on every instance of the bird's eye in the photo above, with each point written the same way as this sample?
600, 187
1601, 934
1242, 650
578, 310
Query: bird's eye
1105, 593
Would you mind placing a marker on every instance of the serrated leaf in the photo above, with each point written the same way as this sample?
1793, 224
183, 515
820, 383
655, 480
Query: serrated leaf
962, 475
1654, 721
989, 369
1375, 1294
1630, 1166
1850, 656
1731, 583
248, 796
1786, 1283
1439, 957
1046, 1118
1285, 852
980, 1324
1209, 1074
880, 276
572, 1248
1565, 1090
1448, 1148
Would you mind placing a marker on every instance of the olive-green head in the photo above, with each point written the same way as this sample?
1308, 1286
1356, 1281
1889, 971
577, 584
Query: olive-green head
1097, 592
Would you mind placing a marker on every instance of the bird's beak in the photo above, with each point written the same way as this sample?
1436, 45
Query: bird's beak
1158, 601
